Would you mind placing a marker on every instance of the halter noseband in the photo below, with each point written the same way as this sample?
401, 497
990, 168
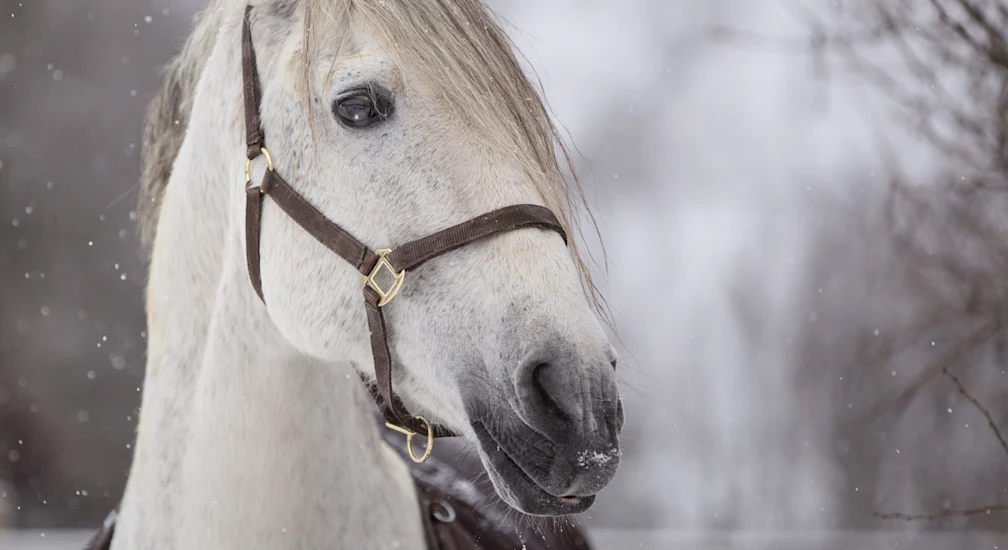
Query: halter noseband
370, 264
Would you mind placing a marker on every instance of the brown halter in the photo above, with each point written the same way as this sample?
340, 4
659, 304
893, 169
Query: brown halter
371, 264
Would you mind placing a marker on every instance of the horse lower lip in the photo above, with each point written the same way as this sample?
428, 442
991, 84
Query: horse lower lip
544, 503
568, 500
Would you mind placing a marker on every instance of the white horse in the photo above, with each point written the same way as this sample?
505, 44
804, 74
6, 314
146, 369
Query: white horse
394, 118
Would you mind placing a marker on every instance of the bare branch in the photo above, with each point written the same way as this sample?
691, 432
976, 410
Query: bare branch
983, 410
978, 17
952, 357
945, 514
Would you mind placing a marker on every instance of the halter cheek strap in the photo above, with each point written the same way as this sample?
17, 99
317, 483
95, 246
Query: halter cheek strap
371, 264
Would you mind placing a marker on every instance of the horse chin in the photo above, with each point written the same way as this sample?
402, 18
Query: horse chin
519, 489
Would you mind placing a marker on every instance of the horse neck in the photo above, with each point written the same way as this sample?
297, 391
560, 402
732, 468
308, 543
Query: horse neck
243, 441
290, 439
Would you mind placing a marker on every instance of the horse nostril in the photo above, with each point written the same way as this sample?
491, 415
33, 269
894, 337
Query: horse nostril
545, 378
613, 363
568, 401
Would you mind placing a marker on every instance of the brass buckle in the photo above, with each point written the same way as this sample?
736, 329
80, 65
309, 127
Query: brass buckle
248, 166
372, 279
409, 439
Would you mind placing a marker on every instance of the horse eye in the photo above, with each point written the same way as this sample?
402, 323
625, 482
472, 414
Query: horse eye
358, 111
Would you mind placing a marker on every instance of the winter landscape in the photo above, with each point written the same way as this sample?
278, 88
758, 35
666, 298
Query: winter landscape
801, 208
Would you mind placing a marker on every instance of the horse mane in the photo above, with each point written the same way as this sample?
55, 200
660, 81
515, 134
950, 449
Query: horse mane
167, 119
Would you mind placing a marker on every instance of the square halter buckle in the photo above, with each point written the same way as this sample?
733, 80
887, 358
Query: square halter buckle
372, 279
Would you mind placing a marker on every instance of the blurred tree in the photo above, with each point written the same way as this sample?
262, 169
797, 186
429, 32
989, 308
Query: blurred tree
944, 66
927, 270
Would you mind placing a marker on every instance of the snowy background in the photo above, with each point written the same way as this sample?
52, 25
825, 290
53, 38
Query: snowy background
741, 196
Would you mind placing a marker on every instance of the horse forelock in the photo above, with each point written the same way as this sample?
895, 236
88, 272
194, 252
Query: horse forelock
459, 48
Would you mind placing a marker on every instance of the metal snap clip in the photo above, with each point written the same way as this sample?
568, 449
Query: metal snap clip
443, 512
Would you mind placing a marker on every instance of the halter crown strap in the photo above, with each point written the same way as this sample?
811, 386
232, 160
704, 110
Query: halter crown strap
369, 263
254, 138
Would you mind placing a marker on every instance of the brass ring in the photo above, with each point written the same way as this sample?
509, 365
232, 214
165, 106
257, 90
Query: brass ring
248, 165
409, 439
430, 442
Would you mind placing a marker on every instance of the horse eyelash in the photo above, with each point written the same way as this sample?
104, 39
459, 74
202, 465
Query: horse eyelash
373, 90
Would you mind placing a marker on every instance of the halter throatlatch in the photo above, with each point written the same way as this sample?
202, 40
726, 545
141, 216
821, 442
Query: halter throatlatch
371, 264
